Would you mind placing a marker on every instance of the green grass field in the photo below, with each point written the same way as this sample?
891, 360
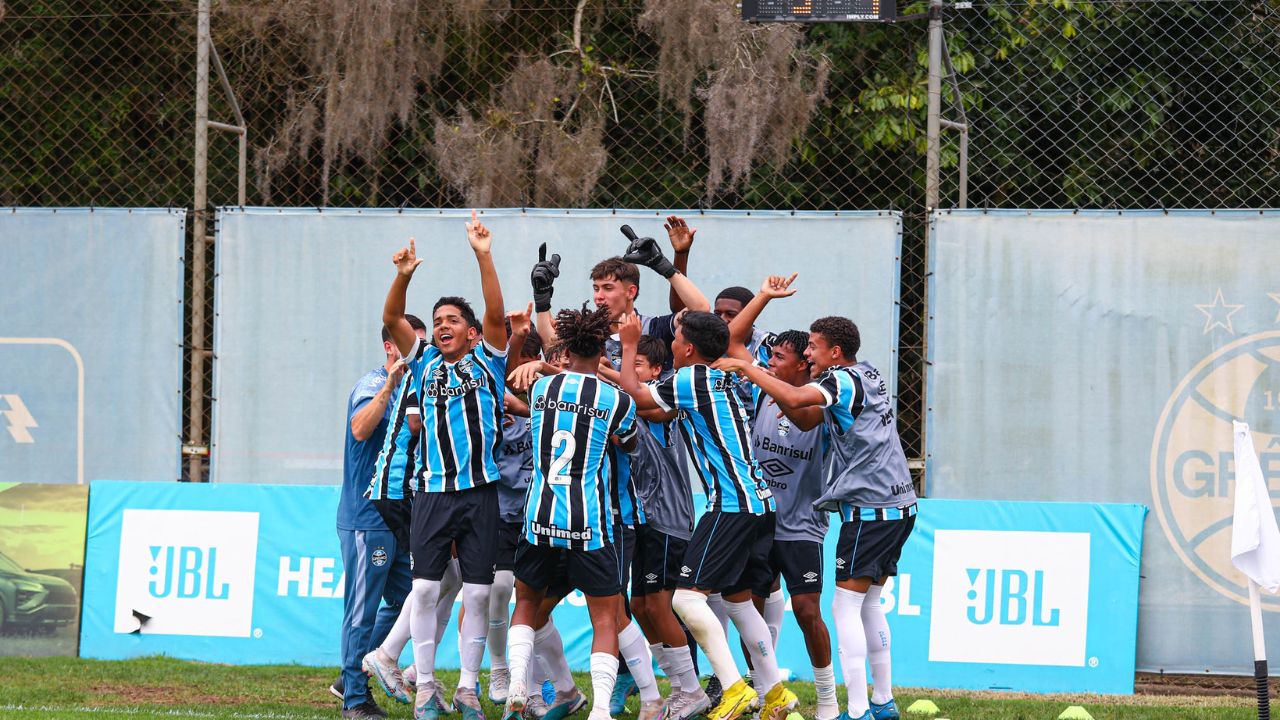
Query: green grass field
160, 688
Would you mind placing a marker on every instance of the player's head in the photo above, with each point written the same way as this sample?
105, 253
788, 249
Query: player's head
651, 355
730, 302
787, 359
701, 338
389, 345
454, 326
583, 332
832, 341
615, 284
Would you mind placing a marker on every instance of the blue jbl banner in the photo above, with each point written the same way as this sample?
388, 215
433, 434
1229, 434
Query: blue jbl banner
1028, 596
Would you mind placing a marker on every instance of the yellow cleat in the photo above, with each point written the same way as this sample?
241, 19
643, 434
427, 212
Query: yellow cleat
735, 701
778, 702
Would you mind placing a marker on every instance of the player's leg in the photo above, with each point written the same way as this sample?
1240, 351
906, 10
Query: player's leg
366, 578
658, 575
568, 699
381, 667
632, 645
500, 610
535, 565
598, 574
800, 562
876, 628
477, 555
774, 609
712, 561
430, 539
756, 579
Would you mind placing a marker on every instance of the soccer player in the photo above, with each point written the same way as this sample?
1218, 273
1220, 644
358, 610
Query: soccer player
615, 284
739, 512
792, 461
868, 484
374, 554
461, 386
662, 488
575, 418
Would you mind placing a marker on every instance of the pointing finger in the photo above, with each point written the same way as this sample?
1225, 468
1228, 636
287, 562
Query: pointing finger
542, 252
791, 279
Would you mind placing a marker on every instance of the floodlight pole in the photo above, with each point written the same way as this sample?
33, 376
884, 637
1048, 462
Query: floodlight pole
200, 220
933, 124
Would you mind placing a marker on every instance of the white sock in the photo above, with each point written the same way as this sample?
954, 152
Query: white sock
473, 633
550, 648
450, 584
499, 615
774, 606
755, 635
877, 632
422, 626
398, 636
659, 654
537, 670
519, 650
694, 610
715, 601
824, 683
604, 673
636, 652
846, 611
681, 659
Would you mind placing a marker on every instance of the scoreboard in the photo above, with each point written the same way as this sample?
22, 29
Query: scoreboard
819, 10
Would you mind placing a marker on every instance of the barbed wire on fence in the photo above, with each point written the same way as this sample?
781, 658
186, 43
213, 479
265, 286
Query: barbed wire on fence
648, 103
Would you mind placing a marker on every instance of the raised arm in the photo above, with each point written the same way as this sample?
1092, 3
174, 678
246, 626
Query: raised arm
495, 330
406, 261
645, 251
803, 404
365, 420
520, 324
681, 236
513, 405
543, 277
774, 286
629, 334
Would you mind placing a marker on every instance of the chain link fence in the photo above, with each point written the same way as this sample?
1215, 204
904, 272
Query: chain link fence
646, 103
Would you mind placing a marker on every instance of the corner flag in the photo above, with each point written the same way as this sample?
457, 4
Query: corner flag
1255, 536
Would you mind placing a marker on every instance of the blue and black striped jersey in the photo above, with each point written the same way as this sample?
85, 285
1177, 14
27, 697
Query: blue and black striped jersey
573, 416
396, 466
717, 436
461, 407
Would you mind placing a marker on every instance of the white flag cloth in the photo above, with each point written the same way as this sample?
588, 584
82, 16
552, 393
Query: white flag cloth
1255, 537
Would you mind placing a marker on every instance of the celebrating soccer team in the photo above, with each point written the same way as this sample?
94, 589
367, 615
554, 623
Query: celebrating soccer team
490, 458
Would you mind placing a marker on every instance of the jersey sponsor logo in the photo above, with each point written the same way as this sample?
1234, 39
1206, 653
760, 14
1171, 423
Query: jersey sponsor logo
519, 447
186, 572
776, 469
765, 443
542, 404
559, 533
1025, 601
440, 389
1193, 454
901, 488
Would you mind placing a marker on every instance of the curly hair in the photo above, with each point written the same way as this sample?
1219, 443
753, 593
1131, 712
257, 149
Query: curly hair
797, 340
583, 332
839, 332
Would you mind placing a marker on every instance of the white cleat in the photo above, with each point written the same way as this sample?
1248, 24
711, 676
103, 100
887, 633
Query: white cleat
499, 685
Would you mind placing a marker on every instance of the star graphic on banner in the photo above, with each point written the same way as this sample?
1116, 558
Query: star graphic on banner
1218, 314
1276, 297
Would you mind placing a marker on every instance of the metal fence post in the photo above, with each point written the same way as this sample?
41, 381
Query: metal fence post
200, 205
932, 172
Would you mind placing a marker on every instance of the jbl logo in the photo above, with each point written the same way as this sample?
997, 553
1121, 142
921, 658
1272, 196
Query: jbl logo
1009, 597
186, 572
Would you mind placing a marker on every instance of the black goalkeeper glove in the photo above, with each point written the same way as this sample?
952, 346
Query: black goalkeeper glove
543, 276
647, 252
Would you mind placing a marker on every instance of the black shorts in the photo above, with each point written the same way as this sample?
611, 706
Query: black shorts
509, 534
799, 562
594, 572
467, 518
728, 552
398, 515
656, 566
871, 548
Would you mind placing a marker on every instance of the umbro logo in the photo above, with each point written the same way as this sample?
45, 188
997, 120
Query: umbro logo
684, 571
776, 468
651, 577
810, 576
839, 562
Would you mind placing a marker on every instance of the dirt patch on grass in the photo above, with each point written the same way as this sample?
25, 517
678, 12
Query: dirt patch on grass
115, 695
